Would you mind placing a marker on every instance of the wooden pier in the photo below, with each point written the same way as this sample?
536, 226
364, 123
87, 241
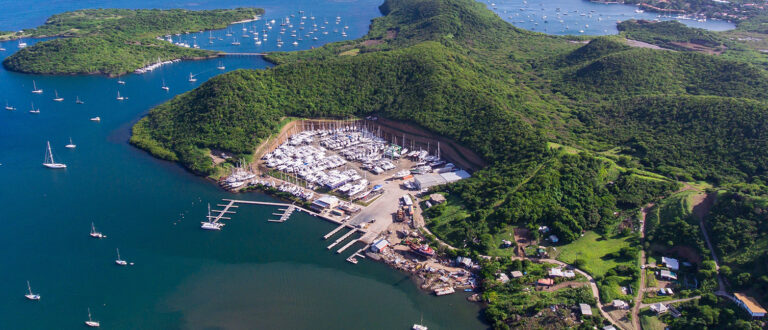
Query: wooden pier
333, 232
285, 215
348, 245
221, 214
342, 238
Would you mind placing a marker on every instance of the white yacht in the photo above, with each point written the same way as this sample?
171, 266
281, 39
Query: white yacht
221, 66
78, 101
49, 163
91, 323
209, 224
57, 98
96, 119
120, 262
35, 111
8, 107
192, 77
120, 98
121, 82
70, 145
96, 234
35, 89
165, 87
22, 44
30, 295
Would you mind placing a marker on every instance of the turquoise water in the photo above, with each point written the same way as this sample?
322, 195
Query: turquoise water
253, 274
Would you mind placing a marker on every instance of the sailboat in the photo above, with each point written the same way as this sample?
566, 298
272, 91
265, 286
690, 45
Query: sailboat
236, 43
210, 225
57, 98
35, 111
120, 262
30, 295
8, 107
119, 98
165, 87
96, 234
49, 163
70, 145
91, 323
34, 88
221, 66
78, 101
192, 77
121, 82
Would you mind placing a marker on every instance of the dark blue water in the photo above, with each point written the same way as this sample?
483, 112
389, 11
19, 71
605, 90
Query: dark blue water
253, 274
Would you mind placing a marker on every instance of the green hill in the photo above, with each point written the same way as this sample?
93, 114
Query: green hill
115, 41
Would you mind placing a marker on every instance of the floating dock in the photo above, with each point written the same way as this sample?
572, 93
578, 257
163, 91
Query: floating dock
342, 238
285, 215
348, 245
328, 235
221, 214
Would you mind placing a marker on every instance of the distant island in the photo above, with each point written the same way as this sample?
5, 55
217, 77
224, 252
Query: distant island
115, 41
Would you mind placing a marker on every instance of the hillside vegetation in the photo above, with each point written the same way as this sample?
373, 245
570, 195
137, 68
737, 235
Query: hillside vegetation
116, 41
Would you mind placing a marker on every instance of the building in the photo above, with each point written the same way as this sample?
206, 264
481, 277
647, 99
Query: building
609, 327
554, 238
516, 274
436, 199
750, 304
503, 278
555, 272
545, 282
464, 262
379, 245
425, 181
620, 304
667, 275
670, 263
659, 308
324, 202
454, 176
585, 309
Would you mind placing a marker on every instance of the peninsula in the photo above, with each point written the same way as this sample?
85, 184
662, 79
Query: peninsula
597, 158
116, 41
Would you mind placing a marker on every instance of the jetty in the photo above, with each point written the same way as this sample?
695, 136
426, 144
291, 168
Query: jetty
218, 217
285, 215
342, 238
333, 232
348, 245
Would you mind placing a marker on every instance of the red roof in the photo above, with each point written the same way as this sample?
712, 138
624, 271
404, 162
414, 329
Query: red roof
546, 281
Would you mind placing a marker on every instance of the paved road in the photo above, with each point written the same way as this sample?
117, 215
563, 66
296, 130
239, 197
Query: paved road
672, 301
643, 261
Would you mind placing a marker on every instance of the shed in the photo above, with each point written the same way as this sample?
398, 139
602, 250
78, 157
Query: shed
464, 261
667, 275
503, 278
516, 274
750, 304
455, 176
436, 198
670, 263
585, 309
609, 327
324, 202
555, 272
620, 304
545, 281
379, 245
424, 181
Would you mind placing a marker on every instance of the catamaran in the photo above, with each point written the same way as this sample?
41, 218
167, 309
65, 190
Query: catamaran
192, 77
35, 90
96, 234
221, 66
78, 101
120, 262
166, 88
8, 107
119, 98
35, 111
91, 323
57, 98
49, 163
236, 43
70, 145
209, 224
30, 295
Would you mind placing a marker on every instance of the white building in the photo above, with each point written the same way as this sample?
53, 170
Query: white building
659, 308
670, 263
585, 309
379, 245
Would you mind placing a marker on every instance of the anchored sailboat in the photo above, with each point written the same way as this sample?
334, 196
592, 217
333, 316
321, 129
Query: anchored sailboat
8, 107
70, 145
33, 109
91, 323
192, 77
165, 87
96, 234
30, 295
34, 88
221, 66
49, 163
119, 98
78, 101
120, 262
57, 98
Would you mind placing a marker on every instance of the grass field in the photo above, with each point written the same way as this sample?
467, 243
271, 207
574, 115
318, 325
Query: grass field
648, 321
592, 247
444, 224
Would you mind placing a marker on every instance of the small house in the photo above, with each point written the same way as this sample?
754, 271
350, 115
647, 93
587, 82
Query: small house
585, 309
609, 327
436, 199
464, 262
506, 243
659, 308
670, 263
620, 304
545, 282
555, 272
750, 305
503, 278
516, 274
569, 274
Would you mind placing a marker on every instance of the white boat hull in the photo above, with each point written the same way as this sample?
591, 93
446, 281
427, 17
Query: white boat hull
55, 165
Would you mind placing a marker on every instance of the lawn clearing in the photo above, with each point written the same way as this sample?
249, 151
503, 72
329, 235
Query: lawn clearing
591, 248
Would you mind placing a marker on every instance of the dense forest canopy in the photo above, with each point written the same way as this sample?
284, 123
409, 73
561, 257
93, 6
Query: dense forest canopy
116, 41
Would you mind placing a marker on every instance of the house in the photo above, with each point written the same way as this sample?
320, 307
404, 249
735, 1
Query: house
555, 272
585, 309
609, 327
516, 274
659, 308
324, 202
436, 199
750, 304
379, 245
554, 238
464, 262
667, 275
620, 304
670, 263
503, 278
545, 282
569, 274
